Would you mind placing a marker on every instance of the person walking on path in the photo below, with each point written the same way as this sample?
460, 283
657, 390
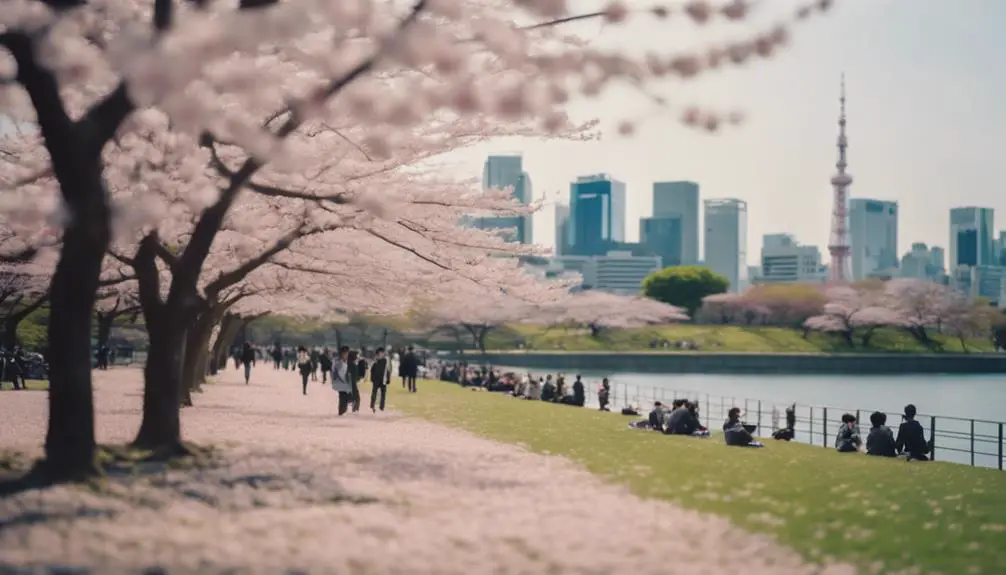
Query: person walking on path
410, 365
305, 365
315, 357
248, 359
380, 377
341, 379
325, 363
354, 378
400, 360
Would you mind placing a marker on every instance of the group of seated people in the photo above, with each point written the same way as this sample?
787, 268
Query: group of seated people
683, 419
526, 386
881, 441
547, 389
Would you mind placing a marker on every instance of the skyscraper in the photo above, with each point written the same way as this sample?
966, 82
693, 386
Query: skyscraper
680, 199
726, 240
662, 236
508, 172
873, 236
972, 242
597, 214
561, 229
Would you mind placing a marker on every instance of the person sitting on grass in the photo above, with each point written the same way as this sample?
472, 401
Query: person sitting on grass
693, 406
657, 416
534, 389
548, 390
736, 433
579, 393
847, 438
911, 437
682, 420
521, 385
789, 432
880, 440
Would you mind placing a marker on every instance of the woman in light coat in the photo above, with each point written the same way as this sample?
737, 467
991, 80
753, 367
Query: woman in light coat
341, 381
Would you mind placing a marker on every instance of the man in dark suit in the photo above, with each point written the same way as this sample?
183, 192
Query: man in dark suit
410, 366
380, 377
912, 437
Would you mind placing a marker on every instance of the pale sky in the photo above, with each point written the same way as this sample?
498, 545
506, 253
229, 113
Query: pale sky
926, 90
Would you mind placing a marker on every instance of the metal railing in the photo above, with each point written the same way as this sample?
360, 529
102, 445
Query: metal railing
975, 442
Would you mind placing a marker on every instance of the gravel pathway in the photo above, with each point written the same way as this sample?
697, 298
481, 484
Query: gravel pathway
302, 491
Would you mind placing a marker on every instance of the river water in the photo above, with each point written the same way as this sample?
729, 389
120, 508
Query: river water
947, 404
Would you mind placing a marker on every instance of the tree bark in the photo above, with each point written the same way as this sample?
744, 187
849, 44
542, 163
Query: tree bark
160, 428
197, 348
161, 425
228, 329
69, 444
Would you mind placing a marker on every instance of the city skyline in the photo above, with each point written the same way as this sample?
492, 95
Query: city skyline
922, 119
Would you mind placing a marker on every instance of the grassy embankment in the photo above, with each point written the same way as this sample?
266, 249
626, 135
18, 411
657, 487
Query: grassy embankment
724, 338
942, 517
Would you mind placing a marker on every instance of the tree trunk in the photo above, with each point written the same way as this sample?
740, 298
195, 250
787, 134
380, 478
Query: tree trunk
160, 429
69, 443
228, 328
161, 425
197, 350
230, 341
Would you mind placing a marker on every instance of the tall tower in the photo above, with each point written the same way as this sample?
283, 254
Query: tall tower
839, 244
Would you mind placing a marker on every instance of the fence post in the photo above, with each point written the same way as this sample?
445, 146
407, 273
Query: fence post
972, 443
758, 429
1000, 446
932, 437
824, 427
810, 426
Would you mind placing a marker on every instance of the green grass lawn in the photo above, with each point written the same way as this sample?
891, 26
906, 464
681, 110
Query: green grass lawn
722, 338
31, 384
942, 517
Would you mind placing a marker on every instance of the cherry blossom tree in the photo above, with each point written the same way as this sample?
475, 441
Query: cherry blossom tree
511, 296
599, 310
24, 289
969, 318
245, 84
856, 310
922, 305
722, 308
788, 305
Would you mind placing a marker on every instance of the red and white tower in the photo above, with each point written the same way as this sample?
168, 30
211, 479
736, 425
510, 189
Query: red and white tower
839, 244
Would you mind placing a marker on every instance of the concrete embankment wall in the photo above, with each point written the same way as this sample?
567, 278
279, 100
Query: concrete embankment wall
752, 363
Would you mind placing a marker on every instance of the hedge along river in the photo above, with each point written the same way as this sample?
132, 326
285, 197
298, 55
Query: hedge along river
954, 399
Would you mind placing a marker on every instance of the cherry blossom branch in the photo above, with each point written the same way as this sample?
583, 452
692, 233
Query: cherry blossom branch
209, 224
227, 279
412, 251
209, 142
